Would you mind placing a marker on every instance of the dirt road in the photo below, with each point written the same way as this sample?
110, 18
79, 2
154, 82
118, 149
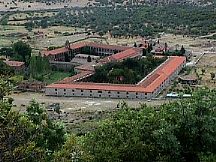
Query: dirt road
76, 103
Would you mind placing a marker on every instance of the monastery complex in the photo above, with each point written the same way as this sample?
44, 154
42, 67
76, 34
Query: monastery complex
148, 88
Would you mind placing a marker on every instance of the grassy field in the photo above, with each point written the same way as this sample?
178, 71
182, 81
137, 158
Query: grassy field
208, 63
22, 18
56, 76
9, 5
51, 38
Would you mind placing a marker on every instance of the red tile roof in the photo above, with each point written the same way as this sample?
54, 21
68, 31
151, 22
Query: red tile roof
83, 44
155, 79
106, 60
14, 63
55, 51
151, 82
129, 53
63, 49
77, 77
78, 45
98, 86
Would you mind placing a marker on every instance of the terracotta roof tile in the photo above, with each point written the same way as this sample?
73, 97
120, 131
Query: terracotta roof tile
83, 44
132, 52
162, 73
77, 77
14, 63
98, 86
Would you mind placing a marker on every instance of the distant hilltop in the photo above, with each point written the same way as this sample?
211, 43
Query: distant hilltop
111, 2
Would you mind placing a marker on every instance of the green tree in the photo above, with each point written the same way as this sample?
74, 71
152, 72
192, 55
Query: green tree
50, 135
17, 137
44, 23
22, 49
182, 50
8, 52
150, 48
165, 46
5, 70
184, 130
203, 71
5, 88
144, 52
135, 45
28, 137
39, 66
72, 151
89, 59
67, 44
212, 76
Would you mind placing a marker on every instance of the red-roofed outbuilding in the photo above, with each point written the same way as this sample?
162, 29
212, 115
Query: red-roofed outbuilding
16, 65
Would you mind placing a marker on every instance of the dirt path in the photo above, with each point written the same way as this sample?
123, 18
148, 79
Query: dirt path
77, 103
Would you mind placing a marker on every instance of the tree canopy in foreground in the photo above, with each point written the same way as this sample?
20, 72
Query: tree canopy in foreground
182, 131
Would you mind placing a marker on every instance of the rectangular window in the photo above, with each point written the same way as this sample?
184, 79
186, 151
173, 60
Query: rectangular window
99, 91
81, 90
64, 89
55, 89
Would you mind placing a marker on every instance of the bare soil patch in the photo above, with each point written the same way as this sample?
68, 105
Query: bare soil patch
9, 5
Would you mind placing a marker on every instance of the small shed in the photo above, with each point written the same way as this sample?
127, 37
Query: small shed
188, 79
17, 66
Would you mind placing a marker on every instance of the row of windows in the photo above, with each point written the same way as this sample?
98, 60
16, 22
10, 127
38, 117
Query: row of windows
98, 91
103, 49
100, 95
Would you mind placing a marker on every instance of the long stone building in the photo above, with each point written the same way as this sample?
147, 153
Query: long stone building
149, 87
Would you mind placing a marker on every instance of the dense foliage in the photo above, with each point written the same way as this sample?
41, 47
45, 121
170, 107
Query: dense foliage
31, 136
143, 20
5, 85
182, 131
129, 71
176, 132
5, 69
39, 66
20, 51
23, 50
